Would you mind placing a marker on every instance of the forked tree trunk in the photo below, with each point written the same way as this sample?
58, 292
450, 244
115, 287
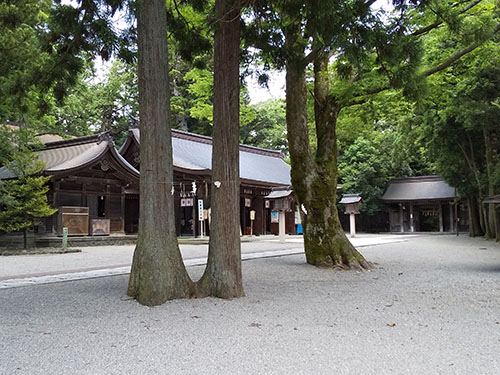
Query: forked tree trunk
222, 277
158, 272
314, 179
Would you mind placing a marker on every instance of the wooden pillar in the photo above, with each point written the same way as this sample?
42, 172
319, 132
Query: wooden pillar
352, 225
245, 216
55, 223
106, 203
123, 209
441, 227
412, 225
282, 224
452, 218
84, 196
401, 217
195, 217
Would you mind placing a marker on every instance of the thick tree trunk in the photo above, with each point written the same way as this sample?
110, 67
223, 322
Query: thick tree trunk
25, 238
222, 277
314, 180
491, 223
474, 218
483, 217
158, 272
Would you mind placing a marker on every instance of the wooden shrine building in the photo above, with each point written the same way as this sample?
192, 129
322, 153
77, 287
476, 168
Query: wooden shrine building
423, 204
89, 184
261, 170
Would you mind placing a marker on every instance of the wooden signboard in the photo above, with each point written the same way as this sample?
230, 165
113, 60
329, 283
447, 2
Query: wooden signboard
100, 227
76, 219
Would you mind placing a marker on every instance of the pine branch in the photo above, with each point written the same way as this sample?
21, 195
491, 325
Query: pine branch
438, 22
363, 98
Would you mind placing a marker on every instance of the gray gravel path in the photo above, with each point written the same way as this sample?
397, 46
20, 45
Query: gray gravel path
432, 306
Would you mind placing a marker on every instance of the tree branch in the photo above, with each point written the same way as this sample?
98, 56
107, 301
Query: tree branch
363, 98
448, 62
428, 28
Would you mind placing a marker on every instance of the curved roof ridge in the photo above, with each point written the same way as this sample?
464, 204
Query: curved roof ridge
208, 140
105, 136
417, 178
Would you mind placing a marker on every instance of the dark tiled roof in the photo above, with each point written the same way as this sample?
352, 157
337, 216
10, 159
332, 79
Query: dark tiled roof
492, 199
350, 198
194, 152
67, 155
418, 188
279, 193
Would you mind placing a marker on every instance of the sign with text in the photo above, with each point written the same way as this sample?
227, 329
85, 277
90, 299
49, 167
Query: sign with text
187, 202
200, 210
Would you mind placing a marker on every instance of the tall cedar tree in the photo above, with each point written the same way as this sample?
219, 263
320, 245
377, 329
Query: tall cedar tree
222, 277
158, 272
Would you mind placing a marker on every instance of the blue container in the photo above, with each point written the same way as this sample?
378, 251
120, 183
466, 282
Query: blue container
299, 228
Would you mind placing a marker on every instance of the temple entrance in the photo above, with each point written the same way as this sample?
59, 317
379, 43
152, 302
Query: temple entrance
429, 221
131, 214
186, 217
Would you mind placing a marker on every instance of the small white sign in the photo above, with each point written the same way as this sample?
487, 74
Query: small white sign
186, 202
200, 210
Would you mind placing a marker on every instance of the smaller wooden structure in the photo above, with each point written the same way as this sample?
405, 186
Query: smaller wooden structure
423, 204
352, 203
283, 207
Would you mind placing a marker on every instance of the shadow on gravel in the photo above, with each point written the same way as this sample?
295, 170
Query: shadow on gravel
484, 269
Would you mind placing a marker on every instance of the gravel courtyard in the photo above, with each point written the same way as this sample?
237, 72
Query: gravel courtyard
431, 306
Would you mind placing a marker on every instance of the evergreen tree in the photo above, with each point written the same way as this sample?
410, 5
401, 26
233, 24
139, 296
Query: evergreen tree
23, 199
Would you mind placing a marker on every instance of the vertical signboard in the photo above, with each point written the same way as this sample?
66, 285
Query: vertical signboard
200, 216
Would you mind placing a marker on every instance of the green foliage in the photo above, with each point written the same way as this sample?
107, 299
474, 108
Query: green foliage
459, 114
45, 46
264, 125
104, 106
22, 56
201, 83
23, 200
366, 166
6, 147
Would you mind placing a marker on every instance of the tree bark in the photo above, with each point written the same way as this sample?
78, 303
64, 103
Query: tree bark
158, 272
222, 277
25, 238
314, 178
474, 218
490, 165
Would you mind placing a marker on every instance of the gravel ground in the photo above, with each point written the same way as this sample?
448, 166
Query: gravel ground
432, 306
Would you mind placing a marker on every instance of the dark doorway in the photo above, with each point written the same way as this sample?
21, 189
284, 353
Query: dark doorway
186, 219
429, 221
132, 214
101, 207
